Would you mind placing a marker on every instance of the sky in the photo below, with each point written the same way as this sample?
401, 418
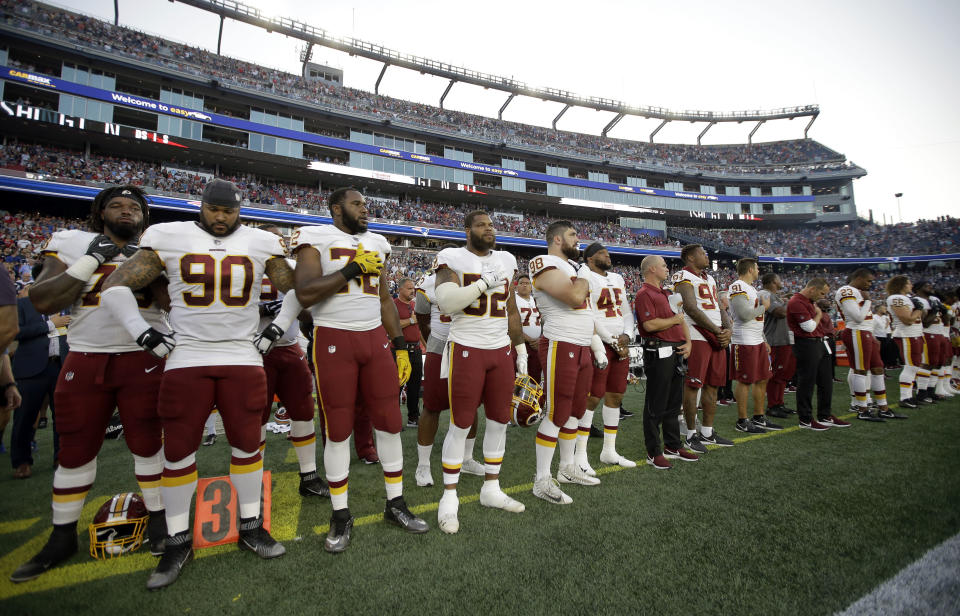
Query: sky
884, 73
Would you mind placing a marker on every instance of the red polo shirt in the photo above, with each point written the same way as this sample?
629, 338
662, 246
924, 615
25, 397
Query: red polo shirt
411, 333
651, 303
799, 310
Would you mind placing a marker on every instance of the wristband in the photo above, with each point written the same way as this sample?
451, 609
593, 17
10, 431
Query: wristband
84, 268
399, 343
351, 270
521, 349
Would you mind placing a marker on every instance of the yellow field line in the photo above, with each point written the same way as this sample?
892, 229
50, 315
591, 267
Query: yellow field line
17, 525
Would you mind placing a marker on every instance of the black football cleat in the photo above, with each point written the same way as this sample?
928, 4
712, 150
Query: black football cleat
396, 512
888, 414
157, 532
254, 537
338, 537
177, 552
61, 545
311, 484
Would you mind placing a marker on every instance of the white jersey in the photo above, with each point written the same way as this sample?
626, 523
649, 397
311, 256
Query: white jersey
91, 329
482, 324
439, 322
268, 293
355, 307
706, 294
746, 332
851, 304
214, 289
561, 322
608, 294
936, 327
530, 317
901, 329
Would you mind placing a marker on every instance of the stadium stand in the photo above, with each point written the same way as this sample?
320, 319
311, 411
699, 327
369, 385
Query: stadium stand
793, 156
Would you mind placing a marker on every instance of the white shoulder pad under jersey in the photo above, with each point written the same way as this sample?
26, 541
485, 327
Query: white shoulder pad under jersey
746, 332
900, 329
608, 294
707, 295
529, 316
355, 307
561, 322
92, 329
849, 299
214, 290
439, 322
482, 324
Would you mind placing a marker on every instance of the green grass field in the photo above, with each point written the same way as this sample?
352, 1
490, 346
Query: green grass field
793, 522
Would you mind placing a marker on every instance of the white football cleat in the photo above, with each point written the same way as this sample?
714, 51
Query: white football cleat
584, 465
615, 458
549, 490
424, 476
472, 467
571, 473
447, 512
498, 499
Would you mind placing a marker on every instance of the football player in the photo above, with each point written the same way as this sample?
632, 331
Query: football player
780, 338
710, 333
289, 377
614, 323
215, 267
933, 333
532, 325
749, 351
906, 313
435, 397
340, 276
562, 290
474, 287
104, 370
863, 350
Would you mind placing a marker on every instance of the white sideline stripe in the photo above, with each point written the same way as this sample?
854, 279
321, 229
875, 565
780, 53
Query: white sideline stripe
929, 585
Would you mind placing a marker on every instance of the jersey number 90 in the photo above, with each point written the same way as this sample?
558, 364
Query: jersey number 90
203, 270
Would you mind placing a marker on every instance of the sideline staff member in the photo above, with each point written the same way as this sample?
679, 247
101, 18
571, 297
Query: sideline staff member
814, 360
665, 340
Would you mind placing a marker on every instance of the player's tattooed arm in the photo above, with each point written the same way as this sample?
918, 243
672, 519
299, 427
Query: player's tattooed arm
388, 310
55, 290
280, 274
444, 275
514, 325
693, 310
136, 272
309, 281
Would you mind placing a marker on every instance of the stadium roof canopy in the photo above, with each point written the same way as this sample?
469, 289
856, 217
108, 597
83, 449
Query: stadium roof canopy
389, 57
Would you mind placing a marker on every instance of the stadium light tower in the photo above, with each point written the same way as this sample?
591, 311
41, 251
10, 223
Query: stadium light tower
899, 214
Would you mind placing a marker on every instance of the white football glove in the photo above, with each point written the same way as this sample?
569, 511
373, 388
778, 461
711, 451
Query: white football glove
157, 343
521, 351
265, 340
492, 280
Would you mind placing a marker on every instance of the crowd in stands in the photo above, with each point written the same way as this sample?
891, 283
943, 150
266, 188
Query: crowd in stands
795, 156
856, 239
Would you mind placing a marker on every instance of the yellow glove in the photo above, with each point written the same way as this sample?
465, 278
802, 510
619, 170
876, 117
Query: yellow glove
368, 261
404, 369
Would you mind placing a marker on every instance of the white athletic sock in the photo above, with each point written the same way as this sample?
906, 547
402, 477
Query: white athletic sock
583, 433
246, 475
859, 389
907, 376
494, 444
611, 423
452, 452
922, 377
546, 444
211, 424
303, 436
390, 450
851, 386
879, 386
707, 431
148, 472
70, 488
178, 484
336, 463
468, 445
568, 441
423, 454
